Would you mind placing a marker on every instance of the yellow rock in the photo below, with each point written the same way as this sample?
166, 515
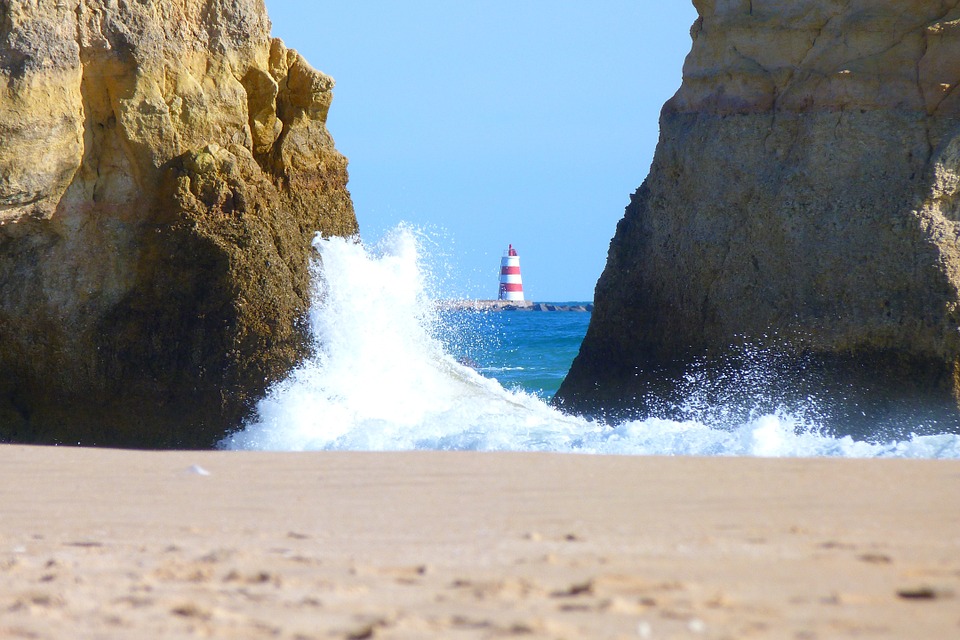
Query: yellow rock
164, 167
795, 242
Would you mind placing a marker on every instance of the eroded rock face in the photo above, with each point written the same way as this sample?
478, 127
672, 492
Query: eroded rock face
163, 169
803, 201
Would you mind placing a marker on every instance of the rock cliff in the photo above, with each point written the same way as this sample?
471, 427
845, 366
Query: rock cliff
163, 168
802, 207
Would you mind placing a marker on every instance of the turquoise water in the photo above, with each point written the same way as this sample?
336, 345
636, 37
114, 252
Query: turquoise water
390, 372
524, 350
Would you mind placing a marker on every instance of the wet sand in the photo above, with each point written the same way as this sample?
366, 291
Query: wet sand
121, 544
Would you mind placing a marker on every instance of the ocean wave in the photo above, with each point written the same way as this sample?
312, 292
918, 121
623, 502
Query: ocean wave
381, 379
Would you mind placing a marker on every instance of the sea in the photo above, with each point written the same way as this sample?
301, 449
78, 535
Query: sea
395, 370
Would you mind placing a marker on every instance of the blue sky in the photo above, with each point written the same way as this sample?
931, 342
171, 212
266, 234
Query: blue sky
493, 122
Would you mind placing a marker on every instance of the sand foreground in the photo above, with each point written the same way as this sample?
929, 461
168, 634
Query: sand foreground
121, 544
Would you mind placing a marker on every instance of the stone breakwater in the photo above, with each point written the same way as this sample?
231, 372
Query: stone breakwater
803, 204
508, 305
163, 169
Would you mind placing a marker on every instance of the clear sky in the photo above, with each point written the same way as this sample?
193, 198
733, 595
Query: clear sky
488, 122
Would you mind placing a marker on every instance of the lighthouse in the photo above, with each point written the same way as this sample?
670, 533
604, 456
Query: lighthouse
511, 286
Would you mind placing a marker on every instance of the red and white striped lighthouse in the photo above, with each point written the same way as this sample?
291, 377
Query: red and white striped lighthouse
511, 286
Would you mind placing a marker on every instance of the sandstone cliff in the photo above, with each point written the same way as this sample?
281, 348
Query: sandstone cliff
803, 201
163, 168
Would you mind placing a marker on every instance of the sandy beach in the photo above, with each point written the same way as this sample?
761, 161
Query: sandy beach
125, 544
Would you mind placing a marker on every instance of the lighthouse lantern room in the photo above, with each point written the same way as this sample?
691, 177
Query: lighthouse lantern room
511, 285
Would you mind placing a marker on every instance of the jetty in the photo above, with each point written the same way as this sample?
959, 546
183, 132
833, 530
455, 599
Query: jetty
511, 305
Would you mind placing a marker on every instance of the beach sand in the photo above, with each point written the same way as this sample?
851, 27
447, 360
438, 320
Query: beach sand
125, 544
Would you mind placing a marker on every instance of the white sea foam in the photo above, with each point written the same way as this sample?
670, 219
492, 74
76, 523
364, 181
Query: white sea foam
381, 380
